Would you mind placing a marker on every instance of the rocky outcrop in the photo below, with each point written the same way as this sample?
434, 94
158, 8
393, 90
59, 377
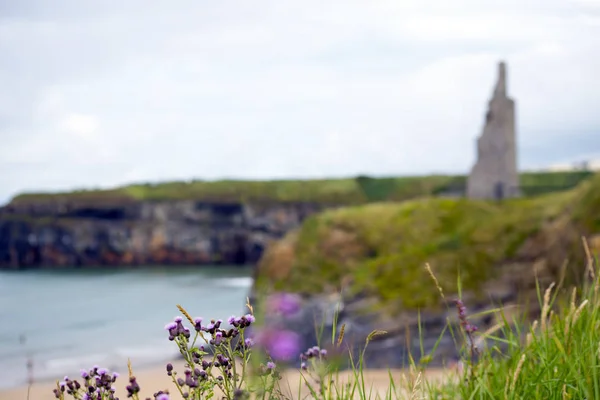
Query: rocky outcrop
62, 233
425, 335
431, 337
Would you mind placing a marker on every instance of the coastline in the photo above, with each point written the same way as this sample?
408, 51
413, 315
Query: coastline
153, 379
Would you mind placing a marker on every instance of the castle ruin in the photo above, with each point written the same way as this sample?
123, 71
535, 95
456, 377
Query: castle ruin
495, 174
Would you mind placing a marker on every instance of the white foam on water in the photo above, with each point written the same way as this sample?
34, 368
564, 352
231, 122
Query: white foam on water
239, 282
80, 362
146, 355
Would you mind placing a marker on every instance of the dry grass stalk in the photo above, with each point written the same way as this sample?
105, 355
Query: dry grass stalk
546, 306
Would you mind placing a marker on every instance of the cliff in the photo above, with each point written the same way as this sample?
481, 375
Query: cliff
63, 233
196, 222
488, 253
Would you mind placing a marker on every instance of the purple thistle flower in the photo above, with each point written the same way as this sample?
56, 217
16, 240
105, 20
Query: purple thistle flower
271, 365
162, 396
218, 338
287, 304
231, 320
250, 318
198, 324
170, 326
283, 345
178, 319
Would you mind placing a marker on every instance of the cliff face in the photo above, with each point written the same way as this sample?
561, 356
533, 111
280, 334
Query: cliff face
58, 233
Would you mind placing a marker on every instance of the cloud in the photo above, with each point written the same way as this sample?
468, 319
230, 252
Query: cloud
103, 93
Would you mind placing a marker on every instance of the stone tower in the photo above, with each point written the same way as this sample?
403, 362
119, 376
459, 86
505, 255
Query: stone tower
495, 174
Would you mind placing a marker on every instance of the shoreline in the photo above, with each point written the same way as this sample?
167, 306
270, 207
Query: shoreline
154, 378
121, 369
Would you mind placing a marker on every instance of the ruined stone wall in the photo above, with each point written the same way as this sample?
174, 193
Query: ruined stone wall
495, 173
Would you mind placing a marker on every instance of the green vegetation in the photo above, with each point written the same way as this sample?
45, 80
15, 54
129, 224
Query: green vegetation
333, 191
381, 248
556, 357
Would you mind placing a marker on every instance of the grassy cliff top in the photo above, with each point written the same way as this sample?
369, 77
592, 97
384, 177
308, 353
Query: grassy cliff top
381, 248
337, 191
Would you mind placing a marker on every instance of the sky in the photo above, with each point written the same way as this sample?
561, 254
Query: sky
102, 93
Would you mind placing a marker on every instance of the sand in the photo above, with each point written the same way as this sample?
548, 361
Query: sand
155, 379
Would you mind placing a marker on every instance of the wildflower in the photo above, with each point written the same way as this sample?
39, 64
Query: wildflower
133, 387
218, 338
222, 360
209, 328
283, 345
313, 352
198, 324
190, 380
462, 316
271, 365
239, 394
176, 328
162, 396
169, 369
287, 304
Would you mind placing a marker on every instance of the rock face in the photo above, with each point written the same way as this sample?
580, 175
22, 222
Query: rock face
494, 175
142, 233
402, 339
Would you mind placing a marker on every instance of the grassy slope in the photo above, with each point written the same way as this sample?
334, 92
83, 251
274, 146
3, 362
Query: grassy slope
341, 191
382, 247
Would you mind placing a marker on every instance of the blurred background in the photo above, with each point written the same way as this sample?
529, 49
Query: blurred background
150, 151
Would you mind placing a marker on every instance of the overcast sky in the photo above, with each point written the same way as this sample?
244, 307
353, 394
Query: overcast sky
104, 92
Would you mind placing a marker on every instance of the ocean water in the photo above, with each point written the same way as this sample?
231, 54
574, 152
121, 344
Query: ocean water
75, 319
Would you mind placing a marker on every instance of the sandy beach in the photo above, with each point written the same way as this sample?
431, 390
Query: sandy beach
154, 379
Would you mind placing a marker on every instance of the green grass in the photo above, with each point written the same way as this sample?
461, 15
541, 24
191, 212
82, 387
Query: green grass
381, 247
357, 190
556, 357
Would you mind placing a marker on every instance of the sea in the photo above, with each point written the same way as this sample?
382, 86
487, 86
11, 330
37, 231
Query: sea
72, 319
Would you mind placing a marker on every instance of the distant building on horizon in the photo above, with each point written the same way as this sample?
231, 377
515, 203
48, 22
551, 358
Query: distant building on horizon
495, 174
